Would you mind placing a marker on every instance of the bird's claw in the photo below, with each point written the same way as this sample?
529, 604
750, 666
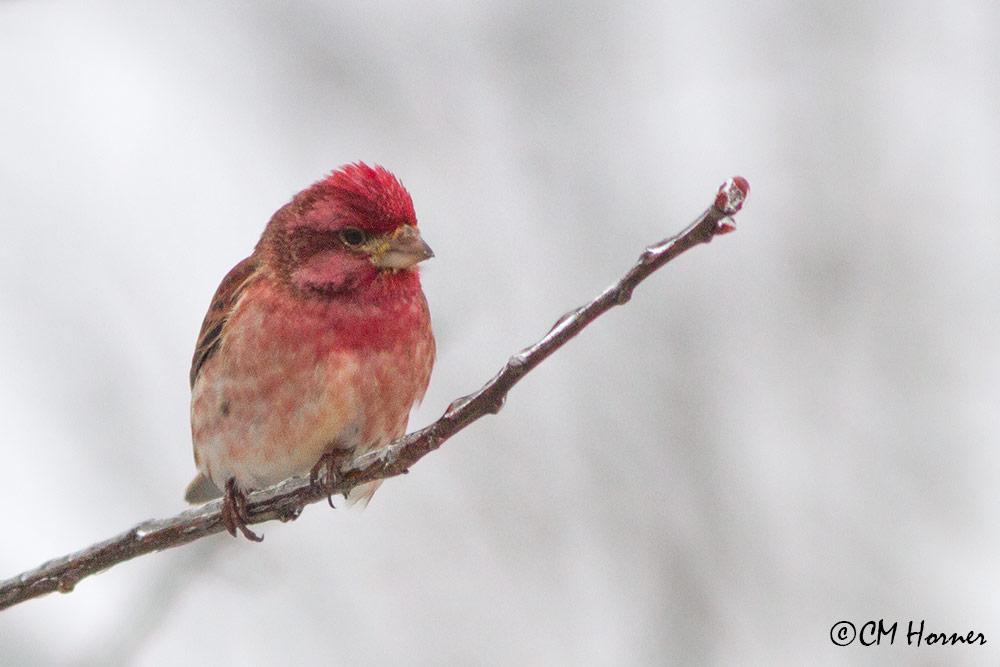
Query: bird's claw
234, 512
326, 473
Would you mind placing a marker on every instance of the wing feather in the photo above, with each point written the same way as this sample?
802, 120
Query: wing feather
213, 328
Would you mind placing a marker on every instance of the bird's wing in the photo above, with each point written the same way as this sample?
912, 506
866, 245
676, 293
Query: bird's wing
223, 302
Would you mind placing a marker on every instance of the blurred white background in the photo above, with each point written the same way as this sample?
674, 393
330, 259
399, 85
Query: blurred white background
792, 426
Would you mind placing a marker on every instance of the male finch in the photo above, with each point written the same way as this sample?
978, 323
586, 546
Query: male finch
316, 346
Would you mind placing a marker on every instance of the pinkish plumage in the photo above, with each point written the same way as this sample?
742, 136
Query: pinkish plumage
319, 341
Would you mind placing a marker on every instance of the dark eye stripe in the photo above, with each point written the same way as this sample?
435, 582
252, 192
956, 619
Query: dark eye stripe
306, 242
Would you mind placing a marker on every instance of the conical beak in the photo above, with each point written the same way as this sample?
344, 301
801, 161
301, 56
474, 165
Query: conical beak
403, 249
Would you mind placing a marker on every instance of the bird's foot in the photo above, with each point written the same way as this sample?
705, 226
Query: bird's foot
234, 512
326, 473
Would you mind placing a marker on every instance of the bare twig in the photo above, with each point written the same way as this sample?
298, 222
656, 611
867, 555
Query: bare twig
285, 501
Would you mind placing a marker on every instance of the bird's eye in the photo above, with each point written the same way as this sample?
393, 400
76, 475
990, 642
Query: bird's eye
352, 236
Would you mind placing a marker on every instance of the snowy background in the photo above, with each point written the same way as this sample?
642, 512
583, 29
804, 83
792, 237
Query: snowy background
795, 425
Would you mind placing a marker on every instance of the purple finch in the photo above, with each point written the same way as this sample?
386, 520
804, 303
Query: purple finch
316, 346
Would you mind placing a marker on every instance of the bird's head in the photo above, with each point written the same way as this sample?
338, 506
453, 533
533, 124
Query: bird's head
343, 233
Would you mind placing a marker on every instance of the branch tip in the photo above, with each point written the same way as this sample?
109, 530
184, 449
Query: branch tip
731, 196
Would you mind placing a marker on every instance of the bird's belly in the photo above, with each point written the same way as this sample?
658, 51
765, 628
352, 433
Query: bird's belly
261, 420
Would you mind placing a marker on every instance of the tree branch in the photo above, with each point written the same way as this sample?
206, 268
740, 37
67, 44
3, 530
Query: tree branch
285, 501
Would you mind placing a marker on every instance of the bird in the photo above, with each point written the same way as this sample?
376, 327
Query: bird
316, 347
